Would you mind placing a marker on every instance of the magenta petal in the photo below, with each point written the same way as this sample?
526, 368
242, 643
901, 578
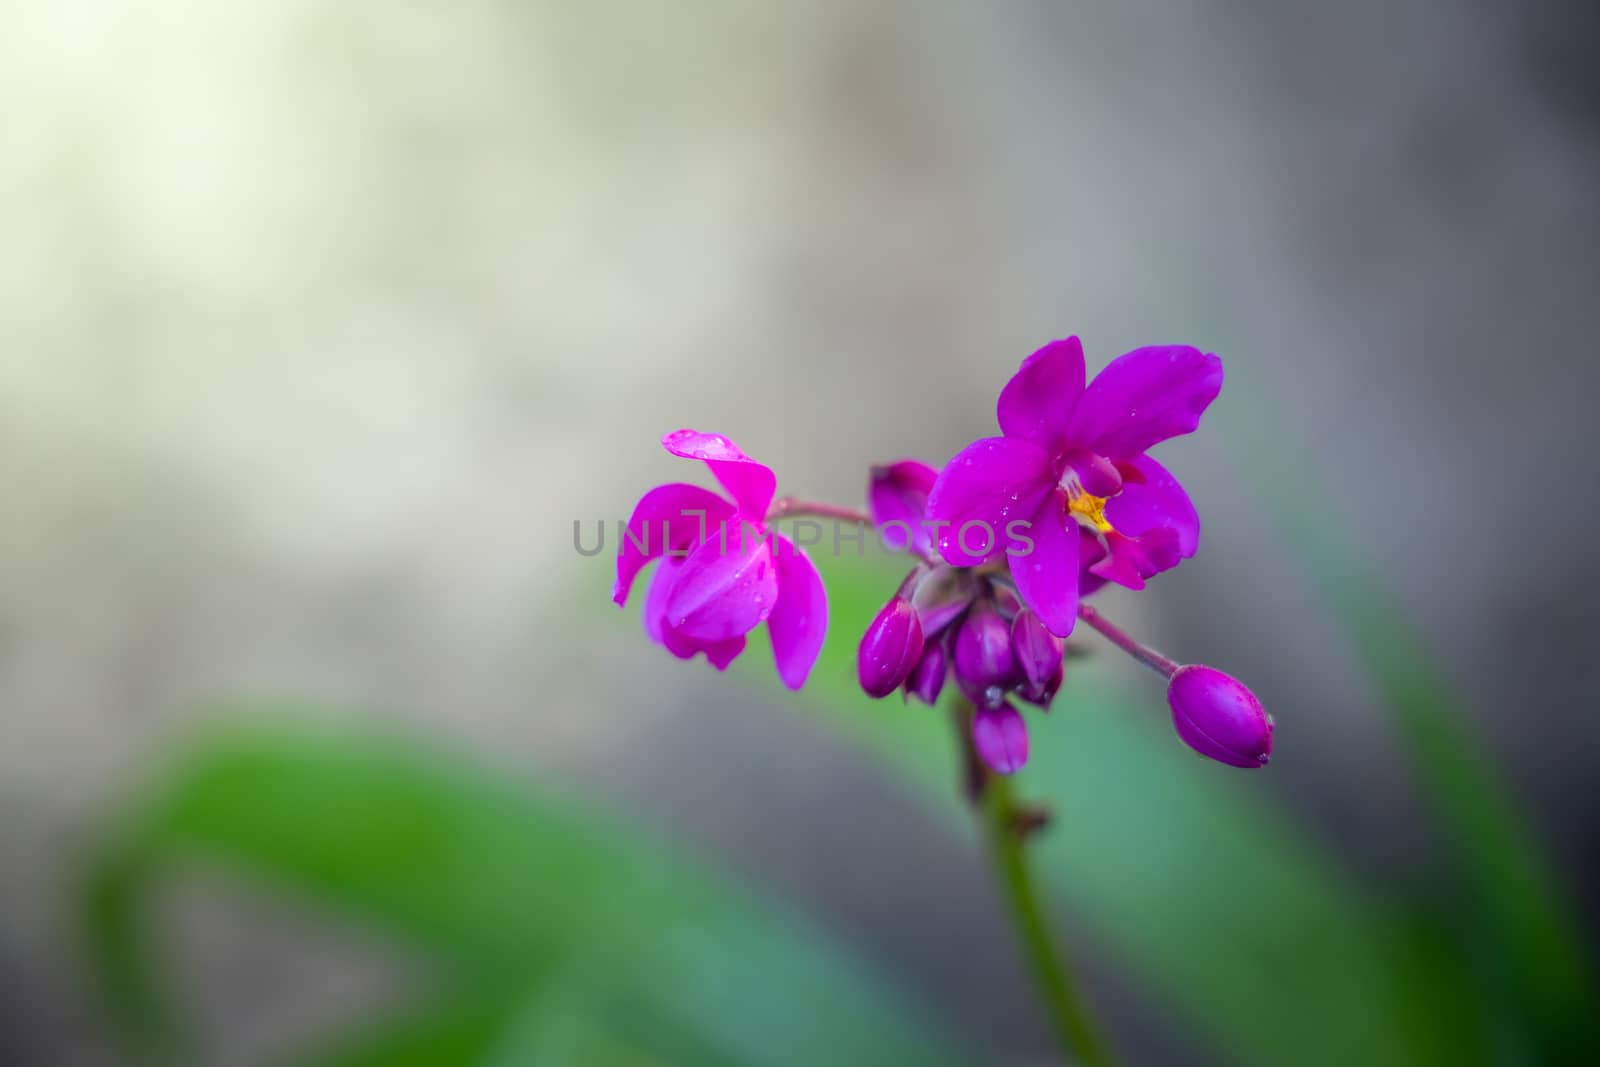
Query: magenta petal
1001, 738
689, 513
1036, 404
1144, 397
1130, 560
898, 496
718, 653
723, 590
1150, 499
989, 484
751, 484
799, 622
655, 601
1047, 577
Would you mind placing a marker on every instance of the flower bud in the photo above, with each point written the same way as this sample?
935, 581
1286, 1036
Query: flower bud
1006, 601
1044, 696
1001, 738
1218, 717
1038, 653
985, 667
941, 595
898, 496
928, 678
889, 649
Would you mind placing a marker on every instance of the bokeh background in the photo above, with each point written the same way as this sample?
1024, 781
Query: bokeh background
320, 324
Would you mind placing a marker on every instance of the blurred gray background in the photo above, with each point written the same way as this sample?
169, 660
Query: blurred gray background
321, 322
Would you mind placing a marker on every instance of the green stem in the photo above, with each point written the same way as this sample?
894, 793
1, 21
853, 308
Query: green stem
1003, 823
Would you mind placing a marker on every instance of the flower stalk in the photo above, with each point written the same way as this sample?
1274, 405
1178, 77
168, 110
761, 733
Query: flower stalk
1127, 642
1007, 825
791, 507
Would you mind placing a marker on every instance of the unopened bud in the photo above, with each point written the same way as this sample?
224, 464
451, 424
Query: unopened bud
985, 666
1038, 654
1218, 717
941, 594
927, 679
898, 495
889, 649
1001, 738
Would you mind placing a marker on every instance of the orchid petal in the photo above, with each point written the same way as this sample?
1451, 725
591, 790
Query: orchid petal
1151, 498
655, 601
1036, 404
718, 653
898, 497
799, 621
670, 518
991, 482
1144, 397
722, 590
1047, 577
1130, 560
1090, 552
751, 484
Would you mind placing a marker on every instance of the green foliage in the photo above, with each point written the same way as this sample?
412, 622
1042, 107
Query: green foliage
550, 930
1220, 905
1521, 938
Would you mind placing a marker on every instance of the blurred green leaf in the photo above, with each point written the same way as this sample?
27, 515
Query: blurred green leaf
503, 886
1524, 931
1180, 868
464, 1033
549, 1027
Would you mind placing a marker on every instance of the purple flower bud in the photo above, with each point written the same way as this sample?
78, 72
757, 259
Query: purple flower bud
1218, 717
928, 678
898, 495
1046, 694
985, 667
1038, 652
889, 649
1001, 738
1006, 601
941, 595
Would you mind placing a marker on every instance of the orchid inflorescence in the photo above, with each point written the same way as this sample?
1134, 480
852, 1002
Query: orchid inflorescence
1009, 538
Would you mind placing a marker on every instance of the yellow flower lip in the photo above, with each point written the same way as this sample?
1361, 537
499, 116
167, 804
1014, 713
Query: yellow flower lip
1087, 506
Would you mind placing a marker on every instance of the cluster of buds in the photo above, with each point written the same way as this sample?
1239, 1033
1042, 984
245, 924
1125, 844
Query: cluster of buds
948, 621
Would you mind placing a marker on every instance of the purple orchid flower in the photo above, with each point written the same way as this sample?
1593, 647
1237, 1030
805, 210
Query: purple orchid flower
722, 573
1071, 466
